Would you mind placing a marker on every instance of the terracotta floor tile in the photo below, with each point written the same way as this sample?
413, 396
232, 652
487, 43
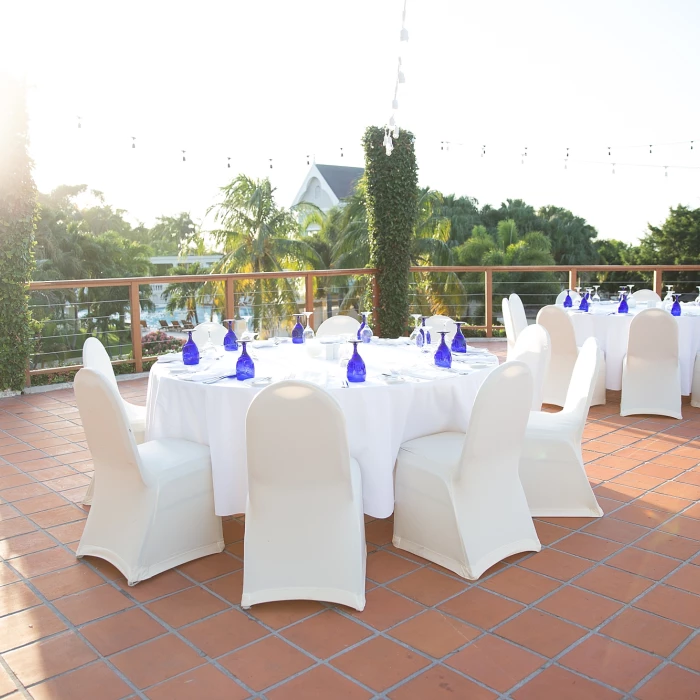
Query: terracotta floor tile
434, 633
163, 584
380, 663
186, 606
670, 545
49, 657
70, 532
40, 503
637, 480
588, 546
639, 515
204, 683
229, 587
383, 567
28, 626
320, 683
25, 544
233, 531
439, 682
520, 584
673, 604
670, 488
670, 683
7, 575
428, 586
385, 609
92, 604
610, 662
16, 597
326, 634
495, 662
685, 527
87, 683
265, 663
556, 564
210, 567
43, 562
16, 526
549, 533
7, 685
569, 523
121, 631
579, 606
281, 613
690, 655
645, 631
617, 492
687, 578
480, 608
643, 562
614, 583
45, 475
543, 633
658, 470
67, 581
556, 683
156, 661
380, 532
59, 516
224, 632
616, 530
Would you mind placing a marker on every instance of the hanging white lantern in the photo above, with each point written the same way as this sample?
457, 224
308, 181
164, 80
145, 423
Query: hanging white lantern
404, 34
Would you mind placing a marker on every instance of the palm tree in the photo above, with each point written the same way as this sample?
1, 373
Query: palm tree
184, 295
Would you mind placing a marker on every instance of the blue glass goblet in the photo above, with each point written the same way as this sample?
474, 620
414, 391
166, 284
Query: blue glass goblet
443, 356
583, 304
357, 372
190, 351
676, 308
623, 308
568, 303
362, 327
245, 369
230, 339
298, 331
459, 342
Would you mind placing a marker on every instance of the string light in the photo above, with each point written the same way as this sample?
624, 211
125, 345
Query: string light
401, 76
341, 152
80, 126
613, 169
270, 159
665, 170
650, 146
483, 151
183, 156
133, 142
307, 160
609, 153
228, 161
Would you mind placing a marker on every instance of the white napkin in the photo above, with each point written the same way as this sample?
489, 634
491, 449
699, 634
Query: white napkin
170, 357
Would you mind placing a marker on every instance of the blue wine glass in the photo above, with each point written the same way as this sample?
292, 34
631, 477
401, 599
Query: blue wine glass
230, 339
583, 304
245, 369
459, 342
426, 331
443, 356
298, 331
363, 325
676, 308
568, 303
357, 372
190, 351
623, 308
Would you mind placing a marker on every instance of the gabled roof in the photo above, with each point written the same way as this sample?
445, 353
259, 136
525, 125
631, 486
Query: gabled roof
340, 178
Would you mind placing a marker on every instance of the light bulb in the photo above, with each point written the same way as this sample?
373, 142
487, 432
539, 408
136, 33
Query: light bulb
404, 34
395, 104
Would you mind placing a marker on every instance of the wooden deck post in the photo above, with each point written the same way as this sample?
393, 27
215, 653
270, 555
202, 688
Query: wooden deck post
488, 299
135, 310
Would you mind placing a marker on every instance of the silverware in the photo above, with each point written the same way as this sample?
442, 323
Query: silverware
344, 384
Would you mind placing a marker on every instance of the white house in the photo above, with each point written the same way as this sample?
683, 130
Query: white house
326, 186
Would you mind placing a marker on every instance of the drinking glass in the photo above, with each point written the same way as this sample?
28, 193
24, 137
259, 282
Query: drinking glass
357, 372
623, 308
247, 321
578, 290
583, 304
426, 331
190, 351
308, 331
364, 325
443, 356
676, 308
459, 342
416, 319
298, 330
245, 369
629, 288
669, 293
230, 339
568, 302
596, 296
697, 301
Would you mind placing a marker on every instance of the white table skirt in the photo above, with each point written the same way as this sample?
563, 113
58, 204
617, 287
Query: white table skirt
612, 332
379, 416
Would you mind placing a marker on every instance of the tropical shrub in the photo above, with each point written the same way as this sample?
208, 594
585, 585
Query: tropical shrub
158, 343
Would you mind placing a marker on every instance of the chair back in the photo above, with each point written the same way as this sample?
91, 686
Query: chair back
286, 469
96, 357
203, 331
646, 295
532, 347
441, 323
338, 325
517, 312
107, 430
653, 337
575, 297
561, 331
583, 379
497, 425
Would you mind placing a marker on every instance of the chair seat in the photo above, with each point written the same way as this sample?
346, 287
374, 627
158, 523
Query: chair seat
554, 427
438, 453
171, 458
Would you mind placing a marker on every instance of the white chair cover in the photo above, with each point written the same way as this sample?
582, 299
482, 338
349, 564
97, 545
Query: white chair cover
532, 347
96, 357
695, 390
586, 326
651, 378
204, 331
459, 501
338, 325
305, 533
575, 297
551, 466
153, 506
441, 323
514, 320
646, 295
564, 353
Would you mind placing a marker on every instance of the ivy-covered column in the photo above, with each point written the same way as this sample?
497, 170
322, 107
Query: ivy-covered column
391, 200
17, 222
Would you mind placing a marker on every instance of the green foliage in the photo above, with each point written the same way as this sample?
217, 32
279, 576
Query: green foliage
17, 224
183, 295
392, 212
158, 343
675, 242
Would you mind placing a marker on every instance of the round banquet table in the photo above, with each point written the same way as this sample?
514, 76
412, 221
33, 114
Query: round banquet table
612, 332
380, 414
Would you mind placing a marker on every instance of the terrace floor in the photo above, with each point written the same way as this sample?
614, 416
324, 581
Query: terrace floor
610, 607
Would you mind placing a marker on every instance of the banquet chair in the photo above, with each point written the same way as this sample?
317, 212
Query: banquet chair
96, 357
551, 465
585, 326
646, 295
304, 522
533, 348
514, 320
204, 331
338, 325
575, 297
153, 506
651, 376
459, 501
441, 323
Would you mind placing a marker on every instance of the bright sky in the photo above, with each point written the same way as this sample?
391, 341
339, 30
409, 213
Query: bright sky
282, 79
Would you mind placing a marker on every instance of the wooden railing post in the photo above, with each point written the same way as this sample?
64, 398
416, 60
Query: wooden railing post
309, 303
229, 298
135, 310
659, 282
573, 274
488, 302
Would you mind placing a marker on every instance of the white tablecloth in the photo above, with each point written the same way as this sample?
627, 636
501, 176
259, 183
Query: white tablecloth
379, 416
612, 332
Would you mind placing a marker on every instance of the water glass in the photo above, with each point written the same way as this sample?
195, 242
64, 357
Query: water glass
245, 368
298, 331
459, 342
443, 356
230, 339
357, 372
190, 351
